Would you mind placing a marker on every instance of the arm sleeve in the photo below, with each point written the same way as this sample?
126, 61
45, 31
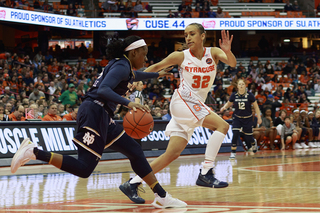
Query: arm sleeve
115, 75
145, 75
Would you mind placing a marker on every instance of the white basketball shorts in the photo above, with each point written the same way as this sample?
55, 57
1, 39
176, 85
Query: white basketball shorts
187, 113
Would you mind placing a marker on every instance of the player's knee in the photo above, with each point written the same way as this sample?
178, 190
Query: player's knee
223, 128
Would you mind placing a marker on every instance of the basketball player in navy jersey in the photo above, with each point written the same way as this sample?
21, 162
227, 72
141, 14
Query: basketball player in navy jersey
97, 131
242, 116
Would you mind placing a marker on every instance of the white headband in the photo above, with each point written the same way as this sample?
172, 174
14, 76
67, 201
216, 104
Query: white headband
135, 45
302, 111
310, 113
296, 111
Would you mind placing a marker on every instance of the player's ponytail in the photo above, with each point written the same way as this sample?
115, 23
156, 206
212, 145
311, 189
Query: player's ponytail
116, 48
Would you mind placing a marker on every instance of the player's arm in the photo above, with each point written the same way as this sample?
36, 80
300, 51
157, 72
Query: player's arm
226, 106
257, 109
224, 54
175, 58
115, 75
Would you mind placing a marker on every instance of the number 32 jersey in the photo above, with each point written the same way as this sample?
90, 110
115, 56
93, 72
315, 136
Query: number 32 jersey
197, 76
242, 103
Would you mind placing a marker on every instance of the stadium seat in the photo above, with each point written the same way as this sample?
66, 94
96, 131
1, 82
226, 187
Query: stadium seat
195, 14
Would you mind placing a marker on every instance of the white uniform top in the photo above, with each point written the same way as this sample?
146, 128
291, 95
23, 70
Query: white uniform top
197, 76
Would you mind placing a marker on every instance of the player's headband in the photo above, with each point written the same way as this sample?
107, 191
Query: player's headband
302, 111
135, 45
310, 112
295, 111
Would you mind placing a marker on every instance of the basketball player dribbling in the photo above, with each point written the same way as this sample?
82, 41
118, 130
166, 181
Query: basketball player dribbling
95, 128
197, 74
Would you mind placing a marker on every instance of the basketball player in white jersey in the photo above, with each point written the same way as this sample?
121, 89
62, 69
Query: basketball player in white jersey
197, 73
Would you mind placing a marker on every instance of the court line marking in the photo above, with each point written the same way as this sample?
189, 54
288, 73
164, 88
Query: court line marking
244, 168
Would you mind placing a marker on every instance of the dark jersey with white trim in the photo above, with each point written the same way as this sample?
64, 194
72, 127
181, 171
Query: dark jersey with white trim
242, 103
112, 83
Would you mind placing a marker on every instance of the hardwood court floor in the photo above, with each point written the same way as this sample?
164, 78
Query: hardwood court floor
269, 181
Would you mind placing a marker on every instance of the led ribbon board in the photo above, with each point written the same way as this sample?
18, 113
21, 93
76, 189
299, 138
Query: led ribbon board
98, 24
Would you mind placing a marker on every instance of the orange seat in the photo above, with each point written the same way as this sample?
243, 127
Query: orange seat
195, 14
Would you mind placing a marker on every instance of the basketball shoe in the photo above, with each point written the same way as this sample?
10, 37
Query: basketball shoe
131, 191
255, 147
232, 155
23, 155
208, 180
167, 202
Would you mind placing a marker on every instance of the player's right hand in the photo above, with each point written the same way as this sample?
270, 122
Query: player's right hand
135, 106
222, 109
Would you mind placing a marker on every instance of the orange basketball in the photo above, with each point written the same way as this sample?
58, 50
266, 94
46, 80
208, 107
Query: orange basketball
138, 124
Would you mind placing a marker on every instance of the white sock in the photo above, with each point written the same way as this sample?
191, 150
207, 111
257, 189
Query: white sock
213, 146
136, 179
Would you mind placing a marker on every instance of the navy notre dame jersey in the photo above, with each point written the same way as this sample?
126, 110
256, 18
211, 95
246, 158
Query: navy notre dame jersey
117, 74
242, 103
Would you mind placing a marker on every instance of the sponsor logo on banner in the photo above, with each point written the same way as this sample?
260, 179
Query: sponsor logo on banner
53, 139
2, 14
209, 24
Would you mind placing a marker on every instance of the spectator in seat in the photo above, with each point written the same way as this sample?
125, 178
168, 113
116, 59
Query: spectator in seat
91, 61
17, 115
46, 6
121, 8
182, 6
71, 11
52, 114
170, 15
219, 13
288, 6
36, 95
166, 115
104, 61
69, 96
72, 116
3, 116
296, 6
36, 4
138, 7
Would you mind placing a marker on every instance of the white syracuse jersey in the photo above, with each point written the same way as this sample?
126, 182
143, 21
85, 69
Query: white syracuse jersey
197, 77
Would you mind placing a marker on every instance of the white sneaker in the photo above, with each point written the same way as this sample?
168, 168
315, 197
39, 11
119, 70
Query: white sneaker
297, 146
167, 202
304, 146
23, 155
312, 145
232, 155
317, 144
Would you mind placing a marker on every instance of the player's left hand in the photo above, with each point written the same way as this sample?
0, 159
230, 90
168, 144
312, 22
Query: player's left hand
225, 41
259, 121
166, 71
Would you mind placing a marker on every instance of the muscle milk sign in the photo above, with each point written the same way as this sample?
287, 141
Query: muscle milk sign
55, 138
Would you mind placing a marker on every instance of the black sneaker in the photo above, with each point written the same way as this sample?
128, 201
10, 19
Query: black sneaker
131, 190
209, 180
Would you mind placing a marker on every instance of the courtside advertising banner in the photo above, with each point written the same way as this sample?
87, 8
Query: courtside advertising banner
57, 137
98, 24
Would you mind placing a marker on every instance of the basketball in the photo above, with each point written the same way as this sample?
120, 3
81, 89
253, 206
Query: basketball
138, 124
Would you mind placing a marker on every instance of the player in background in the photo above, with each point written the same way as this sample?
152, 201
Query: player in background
197, 74
95, 128
242, 116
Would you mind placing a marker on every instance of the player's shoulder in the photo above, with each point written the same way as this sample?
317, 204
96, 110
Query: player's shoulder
215, 51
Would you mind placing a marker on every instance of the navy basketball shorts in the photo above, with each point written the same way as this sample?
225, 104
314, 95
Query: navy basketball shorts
96, 130
244, 125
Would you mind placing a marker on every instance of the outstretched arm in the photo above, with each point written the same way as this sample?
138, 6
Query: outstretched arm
224, 53
175, 58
